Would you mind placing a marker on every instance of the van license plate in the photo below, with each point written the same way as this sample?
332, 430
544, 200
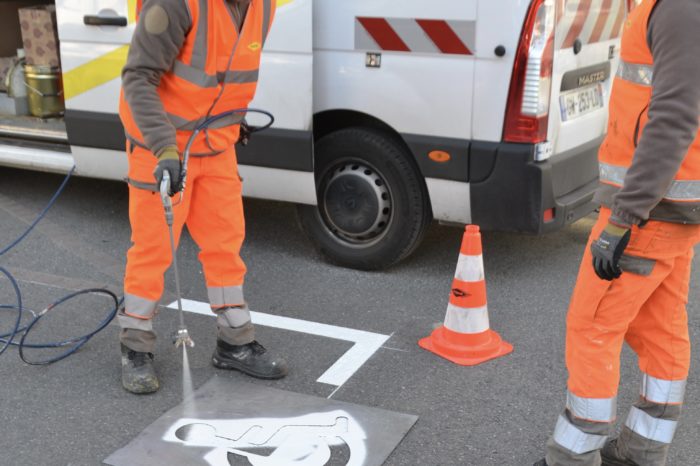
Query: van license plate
581, 101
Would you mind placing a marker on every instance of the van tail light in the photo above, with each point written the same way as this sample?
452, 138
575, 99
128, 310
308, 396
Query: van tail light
527, 111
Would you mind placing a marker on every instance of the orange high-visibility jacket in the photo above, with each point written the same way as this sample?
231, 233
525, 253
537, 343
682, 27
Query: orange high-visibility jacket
216, 71
629, 106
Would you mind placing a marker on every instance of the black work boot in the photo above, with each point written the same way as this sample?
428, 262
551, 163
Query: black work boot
138, 374
252, 359
541, 462
612, 457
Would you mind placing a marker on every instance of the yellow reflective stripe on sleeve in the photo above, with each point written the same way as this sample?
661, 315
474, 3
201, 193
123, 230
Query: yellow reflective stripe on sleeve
94, 73
283, 2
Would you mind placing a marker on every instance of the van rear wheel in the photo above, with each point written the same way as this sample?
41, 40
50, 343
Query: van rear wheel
373, 207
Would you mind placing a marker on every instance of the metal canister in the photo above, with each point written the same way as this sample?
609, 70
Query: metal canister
45, 90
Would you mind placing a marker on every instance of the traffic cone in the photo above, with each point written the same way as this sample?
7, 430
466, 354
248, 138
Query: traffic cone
466, 338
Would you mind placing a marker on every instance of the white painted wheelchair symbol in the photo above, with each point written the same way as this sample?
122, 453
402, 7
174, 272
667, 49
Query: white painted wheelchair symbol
308, 440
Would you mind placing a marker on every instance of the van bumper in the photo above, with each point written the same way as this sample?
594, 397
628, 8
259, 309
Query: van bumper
512, 192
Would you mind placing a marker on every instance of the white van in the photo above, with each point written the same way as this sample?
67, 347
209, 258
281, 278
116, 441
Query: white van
388, 114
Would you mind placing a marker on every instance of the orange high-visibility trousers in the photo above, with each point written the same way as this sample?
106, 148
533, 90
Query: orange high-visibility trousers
212, 209
646, 307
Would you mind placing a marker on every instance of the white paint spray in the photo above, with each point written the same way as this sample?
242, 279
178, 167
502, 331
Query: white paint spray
187, 385
298, 441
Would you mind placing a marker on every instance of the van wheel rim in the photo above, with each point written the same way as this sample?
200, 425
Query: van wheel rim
357, 203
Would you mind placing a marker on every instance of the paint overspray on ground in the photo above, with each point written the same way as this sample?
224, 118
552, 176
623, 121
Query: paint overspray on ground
233, 423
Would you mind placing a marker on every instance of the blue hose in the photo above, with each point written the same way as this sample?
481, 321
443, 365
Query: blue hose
40, 216
73, 344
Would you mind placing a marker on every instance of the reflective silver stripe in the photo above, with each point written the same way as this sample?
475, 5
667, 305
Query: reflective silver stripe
680, 190
233, 317
463, 320
574, 439
199, 51
132, 322
592, 409
186, 125
635, 73
660, 430
470, 268
267, 16
138, 307
200, 78
612, 173
223, 296
194, 75
662, 391
242, 77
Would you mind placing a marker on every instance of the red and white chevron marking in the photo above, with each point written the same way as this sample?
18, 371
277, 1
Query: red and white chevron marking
415, 35
589, 21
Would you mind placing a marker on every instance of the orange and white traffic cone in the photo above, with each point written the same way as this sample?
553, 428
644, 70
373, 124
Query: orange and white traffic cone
466, 337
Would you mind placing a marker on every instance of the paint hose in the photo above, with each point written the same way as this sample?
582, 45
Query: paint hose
18, 335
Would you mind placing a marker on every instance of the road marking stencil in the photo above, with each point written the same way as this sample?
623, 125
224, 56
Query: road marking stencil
228, 422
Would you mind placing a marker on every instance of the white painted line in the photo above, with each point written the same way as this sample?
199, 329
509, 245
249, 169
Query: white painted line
365, 343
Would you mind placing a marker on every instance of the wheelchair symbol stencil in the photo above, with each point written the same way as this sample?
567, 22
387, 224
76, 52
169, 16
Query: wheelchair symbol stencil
308, 440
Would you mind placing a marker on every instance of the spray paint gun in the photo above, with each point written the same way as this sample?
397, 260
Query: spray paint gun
181, 337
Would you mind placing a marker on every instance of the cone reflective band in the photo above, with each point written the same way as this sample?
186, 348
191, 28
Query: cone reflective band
466, 337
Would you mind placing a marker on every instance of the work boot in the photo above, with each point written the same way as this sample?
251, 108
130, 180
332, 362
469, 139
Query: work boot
138, 374
541, 462
612, 457
252, 359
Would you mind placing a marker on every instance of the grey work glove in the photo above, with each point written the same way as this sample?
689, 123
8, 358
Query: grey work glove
169, 160
607, 251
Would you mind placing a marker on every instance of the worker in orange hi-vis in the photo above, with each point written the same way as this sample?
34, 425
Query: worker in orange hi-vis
189, 60
634, 278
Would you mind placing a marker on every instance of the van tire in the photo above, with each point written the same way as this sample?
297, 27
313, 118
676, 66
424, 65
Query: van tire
373, 207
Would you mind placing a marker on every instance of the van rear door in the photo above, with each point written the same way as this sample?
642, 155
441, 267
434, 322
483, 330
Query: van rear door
556, 116
586, 55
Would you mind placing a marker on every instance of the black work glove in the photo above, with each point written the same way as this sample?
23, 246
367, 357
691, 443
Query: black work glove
169, 160
244, 134
608, 249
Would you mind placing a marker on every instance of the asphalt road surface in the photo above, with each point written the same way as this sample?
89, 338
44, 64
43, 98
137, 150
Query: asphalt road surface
500, 413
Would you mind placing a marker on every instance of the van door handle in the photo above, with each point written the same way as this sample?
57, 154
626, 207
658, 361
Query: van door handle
95, 20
